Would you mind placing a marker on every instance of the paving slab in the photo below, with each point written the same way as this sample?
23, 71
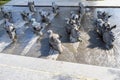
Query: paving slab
101, 3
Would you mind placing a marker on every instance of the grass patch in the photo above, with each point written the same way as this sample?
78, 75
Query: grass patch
3, 1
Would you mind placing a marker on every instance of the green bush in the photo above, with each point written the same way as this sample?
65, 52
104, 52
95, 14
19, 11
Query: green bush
3, 1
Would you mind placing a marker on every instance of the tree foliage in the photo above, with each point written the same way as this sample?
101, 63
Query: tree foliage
3, 1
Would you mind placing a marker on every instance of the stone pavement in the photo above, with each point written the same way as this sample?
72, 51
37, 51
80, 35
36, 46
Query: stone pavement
14, 67
105, 3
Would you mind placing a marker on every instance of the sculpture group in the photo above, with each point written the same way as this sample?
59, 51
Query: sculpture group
74, 24
102, 26
104, 29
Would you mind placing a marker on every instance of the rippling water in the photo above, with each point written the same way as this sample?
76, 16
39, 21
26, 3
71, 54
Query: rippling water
87, 55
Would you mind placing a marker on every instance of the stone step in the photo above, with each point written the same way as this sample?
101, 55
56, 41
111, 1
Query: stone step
14, 67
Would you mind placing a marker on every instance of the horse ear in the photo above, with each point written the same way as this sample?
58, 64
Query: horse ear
53, 3
9, 12
27, 14
33, 2
115, 26
109, 16
103, 13
48, 13
98, 12
40, 12
103, 24
28, 2
1, 8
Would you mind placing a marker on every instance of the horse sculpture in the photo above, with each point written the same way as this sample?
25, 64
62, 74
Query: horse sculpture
10, 29
54, 42
73, 30
55, 8
108, 39
75, 18
81, 10
31, 6
75, 35
6, 15
37, 27
105, 31
108, 36
103, 15
74, 24
25, 16
45, 16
